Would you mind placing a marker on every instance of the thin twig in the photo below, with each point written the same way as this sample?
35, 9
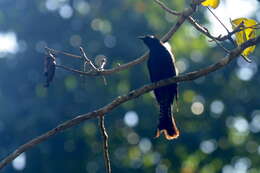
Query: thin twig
87, 60
167, 9
218, 19
62, 52
221, 46
105, 143
201, 28
72, 70
183, 16
229, 34
124, 98
205, 31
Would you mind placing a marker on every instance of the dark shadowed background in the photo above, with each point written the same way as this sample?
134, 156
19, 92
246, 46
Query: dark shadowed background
219, 115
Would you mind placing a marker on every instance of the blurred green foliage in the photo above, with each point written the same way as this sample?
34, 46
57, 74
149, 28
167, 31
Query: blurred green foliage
219, 115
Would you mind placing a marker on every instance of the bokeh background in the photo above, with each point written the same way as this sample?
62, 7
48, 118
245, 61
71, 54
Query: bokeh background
219, 115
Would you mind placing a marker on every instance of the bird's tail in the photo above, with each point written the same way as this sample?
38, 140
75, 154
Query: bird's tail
167, 124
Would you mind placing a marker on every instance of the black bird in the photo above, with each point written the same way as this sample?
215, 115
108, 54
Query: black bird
161, 66
49, 69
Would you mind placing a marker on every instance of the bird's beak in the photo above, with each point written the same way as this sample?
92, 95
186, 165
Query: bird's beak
141, 37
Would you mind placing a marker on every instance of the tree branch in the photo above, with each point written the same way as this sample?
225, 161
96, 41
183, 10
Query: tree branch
124, 98
105, 143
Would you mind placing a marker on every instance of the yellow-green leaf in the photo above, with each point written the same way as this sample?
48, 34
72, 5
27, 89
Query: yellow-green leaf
248, 32
211, 3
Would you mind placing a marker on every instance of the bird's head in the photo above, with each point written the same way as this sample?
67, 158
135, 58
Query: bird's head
150, 40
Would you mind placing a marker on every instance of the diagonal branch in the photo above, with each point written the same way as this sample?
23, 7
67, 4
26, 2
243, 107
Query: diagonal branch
124, 98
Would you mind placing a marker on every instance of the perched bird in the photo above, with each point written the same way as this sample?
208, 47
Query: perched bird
49, 68
161, 66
